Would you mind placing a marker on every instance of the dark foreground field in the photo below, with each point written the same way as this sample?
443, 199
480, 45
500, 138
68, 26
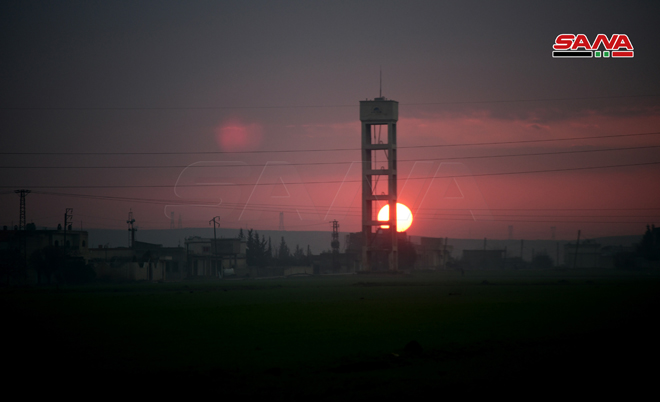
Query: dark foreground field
341, 337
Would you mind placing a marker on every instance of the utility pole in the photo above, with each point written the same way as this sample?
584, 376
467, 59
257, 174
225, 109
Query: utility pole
577, 247
216, 222
68, 218
21, 229
335, 244
380, 90
21, 219
281, 227
131, 229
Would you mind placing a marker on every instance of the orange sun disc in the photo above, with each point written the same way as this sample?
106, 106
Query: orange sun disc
404, 217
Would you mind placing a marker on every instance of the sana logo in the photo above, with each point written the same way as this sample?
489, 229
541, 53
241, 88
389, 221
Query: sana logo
579, 46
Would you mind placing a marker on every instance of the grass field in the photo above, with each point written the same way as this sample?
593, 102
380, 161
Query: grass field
339, 336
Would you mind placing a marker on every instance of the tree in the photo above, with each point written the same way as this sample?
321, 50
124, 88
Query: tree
250, 253
283, 253
52, 262
257, 253
298, 256
308, 257
649, 247
263, 259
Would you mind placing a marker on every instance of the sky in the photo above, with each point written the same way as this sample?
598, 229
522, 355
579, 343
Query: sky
248, 110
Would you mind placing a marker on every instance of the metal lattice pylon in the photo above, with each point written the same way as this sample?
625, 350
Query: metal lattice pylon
21, 218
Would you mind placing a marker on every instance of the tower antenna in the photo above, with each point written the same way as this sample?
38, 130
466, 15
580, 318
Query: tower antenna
380, 90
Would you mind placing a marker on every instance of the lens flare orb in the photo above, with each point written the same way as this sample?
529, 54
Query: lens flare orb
234, 135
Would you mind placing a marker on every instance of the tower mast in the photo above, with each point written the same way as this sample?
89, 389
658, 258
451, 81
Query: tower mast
375, 114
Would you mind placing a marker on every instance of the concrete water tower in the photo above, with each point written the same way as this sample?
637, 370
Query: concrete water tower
375, 115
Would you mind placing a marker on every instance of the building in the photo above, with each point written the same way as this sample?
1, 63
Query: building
432, 253
588, 255
483, 259
353, 252
619, 256
74, 241
379, 254
143, 262
212, 258
17, 247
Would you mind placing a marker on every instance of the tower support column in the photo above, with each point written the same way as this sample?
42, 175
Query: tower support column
379, 161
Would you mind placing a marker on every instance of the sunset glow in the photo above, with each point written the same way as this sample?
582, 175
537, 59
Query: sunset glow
263, 129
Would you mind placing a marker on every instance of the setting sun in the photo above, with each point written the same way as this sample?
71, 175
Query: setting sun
404, 217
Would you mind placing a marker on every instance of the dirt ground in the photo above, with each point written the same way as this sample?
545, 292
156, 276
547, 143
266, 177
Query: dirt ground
339, 338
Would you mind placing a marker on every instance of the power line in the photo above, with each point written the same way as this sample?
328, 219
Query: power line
530, 100
354, 211
433, 213
337, 163
439, 215
333, 163
466, 219
458, 217
334, 149
338, 181
583, 219
201, 108
470, 218
535, 141
299, 206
